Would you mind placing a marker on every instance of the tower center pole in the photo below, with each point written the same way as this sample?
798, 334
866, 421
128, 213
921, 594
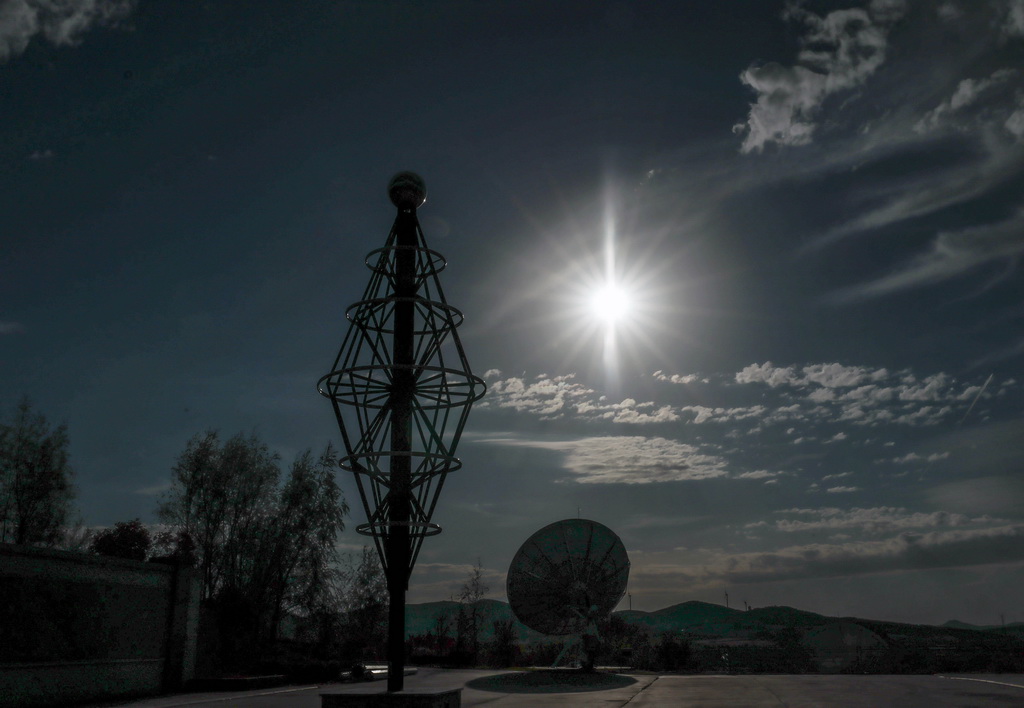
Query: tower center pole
403, 388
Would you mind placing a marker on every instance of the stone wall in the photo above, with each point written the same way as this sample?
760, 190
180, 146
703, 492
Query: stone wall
77, 627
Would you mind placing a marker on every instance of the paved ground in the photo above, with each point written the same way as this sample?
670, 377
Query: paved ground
506, 689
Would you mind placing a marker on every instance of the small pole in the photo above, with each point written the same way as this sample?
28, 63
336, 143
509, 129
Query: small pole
727, 599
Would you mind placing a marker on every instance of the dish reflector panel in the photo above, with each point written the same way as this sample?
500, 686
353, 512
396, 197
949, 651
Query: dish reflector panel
566, 576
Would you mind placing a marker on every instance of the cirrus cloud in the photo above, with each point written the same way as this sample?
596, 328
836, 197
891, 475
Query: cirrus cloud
950, 255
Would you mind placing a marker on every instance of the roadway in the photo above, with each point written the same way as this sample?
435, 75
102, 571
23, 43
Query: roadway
503, 689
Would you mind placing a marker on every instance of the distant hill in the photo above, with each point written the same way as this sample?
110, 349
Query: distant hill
783, 616
715, 620
775, 639
695, 618
1012, 628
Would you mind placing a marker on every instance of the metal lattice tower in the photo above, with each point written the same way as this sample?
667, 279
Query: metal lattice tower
401, 389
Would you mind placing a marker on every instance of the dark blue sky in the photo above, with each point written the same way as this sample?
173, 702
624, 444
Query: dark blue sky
815, 207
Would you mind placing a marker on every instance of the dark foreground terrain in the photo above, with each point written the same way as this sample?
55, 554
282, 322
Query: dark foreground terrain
502, 688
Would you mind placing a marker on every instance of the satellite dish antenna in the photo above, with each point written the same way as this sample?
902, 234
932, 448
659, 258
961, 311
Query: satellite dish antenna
567, 577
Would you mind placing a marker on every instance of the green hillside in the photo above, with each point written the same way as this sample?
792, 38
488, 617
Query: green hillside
783, 616
692, 616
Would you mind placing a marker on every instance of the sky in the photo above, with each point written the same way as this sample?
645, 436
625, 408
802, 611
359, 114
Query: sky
811, 212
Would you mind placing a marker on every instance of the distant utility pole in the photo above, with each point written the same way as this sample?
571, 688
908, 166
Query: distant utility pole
746, 607
727, 599
630, 596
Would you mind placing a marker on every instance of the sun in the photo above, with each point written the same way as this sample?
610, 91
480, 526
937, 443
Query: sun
610, 303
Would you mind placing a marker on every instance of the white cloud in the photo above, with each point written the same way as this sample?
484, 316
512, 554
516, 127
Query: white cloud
839, 376
871, 393
1015, 121
559, 397
694, 569
912, 457
931, 388
875, 520
637, 416
702, 414
10, 327
822, 395
787, 99
61, 22
948, 11
626, 459
946, 548
842, 490
792, 399
841, 51
769, 374
967, 92
1013, 25
548, 397
758, 474
639, 460
825, 375
152, 490
679, 378
926, 415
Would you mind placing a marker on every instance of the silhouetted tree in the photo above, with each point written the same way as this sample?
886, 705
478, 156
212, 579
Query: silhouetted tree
174, 546
128, 539
75, 537
262, 548
35, 478
625, 643
673, 652
364, 602
503, 652
224, 497
302, 570
469, 620
442, 625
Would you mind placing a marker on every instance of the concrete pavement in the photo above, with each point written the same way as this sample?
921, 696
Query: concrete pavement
503, 689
